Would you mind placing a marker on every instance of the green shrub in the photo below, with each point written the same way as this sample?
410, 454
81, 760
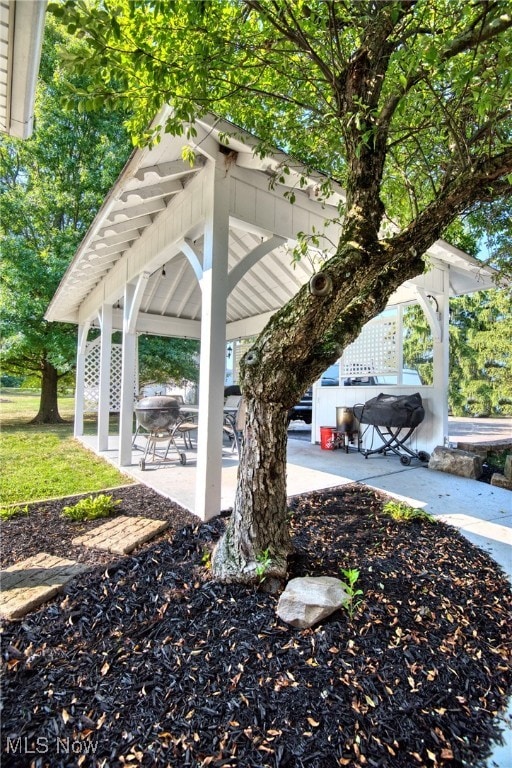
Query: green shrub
398, 510
91, 508
354, 601
13, 510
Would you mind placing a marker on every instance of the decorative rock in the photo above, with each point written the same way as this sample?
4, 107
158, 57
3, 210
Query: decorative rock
456, 462
310, 599
500, 481
507, 471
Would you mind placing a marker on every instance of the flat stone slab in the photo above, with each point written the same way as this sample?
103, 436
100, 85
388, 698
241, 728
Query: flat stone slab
30, 583
122, 534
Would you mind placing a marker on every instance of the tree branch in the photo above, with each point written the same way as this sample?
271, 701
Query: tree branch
297, 37
475, 35
472, 37
482, 182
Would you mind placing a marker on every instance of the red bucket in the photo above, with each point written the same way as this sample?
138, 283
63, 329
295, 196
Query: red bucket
327, 438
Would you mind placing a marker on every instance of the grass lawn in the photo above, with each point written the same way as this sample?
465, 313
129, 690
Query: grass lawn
41, 461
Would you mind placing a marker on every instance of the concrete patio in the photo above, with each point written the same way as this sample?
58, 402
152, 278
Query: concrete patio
481, 511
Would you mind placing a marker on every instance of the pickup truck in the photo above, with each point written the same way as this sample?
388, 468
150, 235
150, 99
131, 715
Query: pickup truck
331, 378
304, 408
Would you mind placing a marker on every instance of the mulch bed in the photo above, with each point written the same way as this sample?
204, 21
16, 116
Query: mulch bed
45, 529
147, 662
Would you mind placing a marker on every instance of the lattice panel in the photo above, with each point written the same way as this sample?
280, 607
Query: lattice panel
374, 351
240, 348
92, 377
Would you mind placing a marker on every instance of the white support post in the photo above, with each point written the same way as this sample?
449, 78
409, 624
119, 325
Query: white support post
83, 330
441, 361
400, 344
214, 285
437, 311
104, 384
129, 349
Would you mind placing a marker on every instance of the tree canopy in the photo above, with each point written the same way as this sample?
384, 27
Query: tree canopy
439, 98
52, 185
406, 103
164, 360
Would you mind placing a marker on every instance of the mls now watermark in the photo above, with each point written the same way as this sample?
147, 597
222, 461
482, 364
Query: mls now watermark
45, 746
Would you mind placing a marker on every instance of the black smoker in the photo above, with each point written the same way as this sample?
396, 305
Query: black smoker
390, 415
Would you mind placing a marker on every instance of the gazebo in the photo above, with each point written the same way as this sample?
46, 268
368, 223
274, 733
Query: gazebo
204, 251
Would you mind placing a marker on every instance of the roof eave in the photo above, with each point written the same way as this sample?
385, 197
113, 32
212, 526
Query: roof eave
26, 29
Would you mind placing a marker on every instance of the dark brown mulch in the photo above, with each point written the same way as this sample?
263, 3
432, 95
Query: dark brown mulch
45, 529
147, 662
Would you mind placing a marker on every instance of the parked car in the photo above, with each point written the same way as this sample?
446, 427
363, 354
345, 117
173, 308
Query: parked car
331, 377
410, 377
361, 381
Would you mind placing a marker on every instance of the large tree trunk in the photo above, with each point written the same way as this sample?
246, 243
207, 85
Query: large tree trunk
258, 527
48, 406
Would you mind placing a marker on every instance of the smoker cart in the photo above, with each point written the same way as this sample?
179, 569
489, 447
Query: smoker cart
394, 418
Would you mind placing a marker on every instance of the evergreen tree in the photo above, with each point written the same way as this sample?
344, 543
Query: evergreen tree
481, 354
480, 382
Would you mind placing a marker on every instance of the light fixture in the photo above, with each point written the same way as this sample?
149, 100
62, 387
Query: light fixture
163, 271
434, 300
229, 351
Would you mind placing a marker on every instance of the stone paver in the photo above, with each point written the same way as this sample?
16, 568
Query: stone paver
122, 534
28, 584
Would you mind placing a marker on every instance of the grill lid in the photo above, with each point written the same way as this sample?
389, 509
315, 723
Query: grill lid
391, 410
157, 403
159, 412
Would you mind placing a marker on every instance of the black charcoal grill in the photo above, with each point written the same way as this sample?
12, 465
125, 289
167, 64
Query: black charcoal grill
394, 418
158, 419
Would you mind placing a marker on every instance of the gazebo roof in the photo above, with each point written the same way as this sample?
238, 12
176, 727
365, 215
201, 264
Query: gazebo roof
152, 223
